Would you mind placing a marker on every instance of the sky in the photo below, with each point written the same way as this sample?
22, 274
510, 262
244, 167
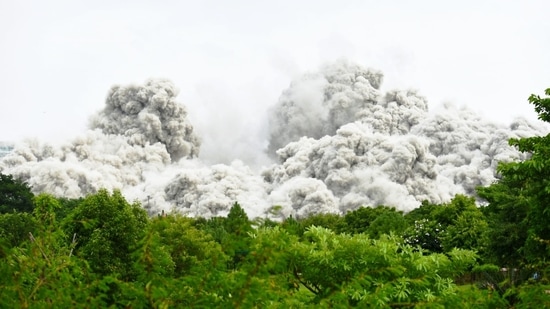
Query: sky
231, 60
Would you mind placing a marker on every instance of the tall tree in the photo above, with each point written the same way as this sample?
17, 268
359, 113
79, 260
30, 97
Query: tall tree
238, 227
525, 189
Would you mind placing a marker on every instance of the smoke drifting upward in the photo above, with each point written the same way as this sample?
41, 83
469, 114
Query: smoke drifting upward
339, 141
318, 104
149, 114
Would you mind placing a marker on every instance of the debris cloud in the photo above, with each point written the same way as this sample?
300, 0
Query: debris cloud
338, 141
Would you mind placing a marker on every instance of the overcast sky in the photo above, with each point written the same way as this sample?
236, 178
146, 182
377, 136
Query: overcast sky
232, 59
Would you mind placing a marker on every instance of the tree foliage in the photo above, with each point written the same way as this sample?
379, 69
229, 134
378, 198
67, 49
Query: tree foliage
107, 228
518, 203
15, 195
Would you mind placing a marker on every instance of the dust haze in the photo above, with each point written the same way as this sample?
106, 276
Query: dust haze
334, 141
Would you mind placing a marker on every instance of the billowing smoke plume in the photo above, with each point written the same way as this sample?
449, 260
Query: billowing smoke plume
318, 104
339, 141
149, 114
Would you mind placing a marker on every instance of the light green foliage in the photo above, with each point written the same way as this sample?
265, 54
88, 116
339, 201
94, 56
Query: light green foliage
45, 206
42, 275
40, 272
534, 296
190, 249
356, 270
108, 230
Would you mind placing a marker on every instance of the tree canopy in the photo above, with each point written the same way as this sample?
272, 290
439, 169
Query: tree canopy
15, 195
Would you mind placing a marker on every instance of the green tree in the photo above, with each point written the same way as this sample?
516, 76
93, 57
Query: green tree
464, 223
238, 228
292, 226
107, 229
391, 221
529, 182
457, 224
426, 234
15, 195
237, 222
330, 221
506, 216
15, 228
42, 272
359, 220
189, 248
354, 270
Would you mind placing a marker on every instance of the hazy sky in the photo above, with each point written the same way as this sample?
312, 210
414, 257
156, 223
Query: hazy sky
232, 59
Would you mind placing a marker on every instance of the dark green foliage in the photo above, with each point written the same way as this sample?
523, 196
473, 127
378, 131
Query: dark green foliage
374, 221
292, 226
426, 234
15, 228
425, 211
15, 195
66, 206
358, 221
524, 193
534, 296
542, 105
439, 228
506, 216
390, 221
465, 224
237, 222
238, 228
330, 221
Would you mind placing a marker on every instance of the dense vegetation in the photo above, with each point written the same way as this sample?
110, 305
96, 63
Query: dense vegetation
102, 251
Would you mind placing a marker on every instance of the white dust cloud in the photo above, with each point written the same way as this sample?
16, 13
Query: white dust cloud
149, 114
337, 140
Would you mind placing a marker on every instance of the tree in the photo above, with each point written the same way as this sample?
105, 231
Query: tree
464, 223
426, 234
15, 195
440, 228
15, 228
330, 221
391, 221
238, 228
343, 270
507, 227
359, 220
190, 249
237, 222
108, 230
524, 192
